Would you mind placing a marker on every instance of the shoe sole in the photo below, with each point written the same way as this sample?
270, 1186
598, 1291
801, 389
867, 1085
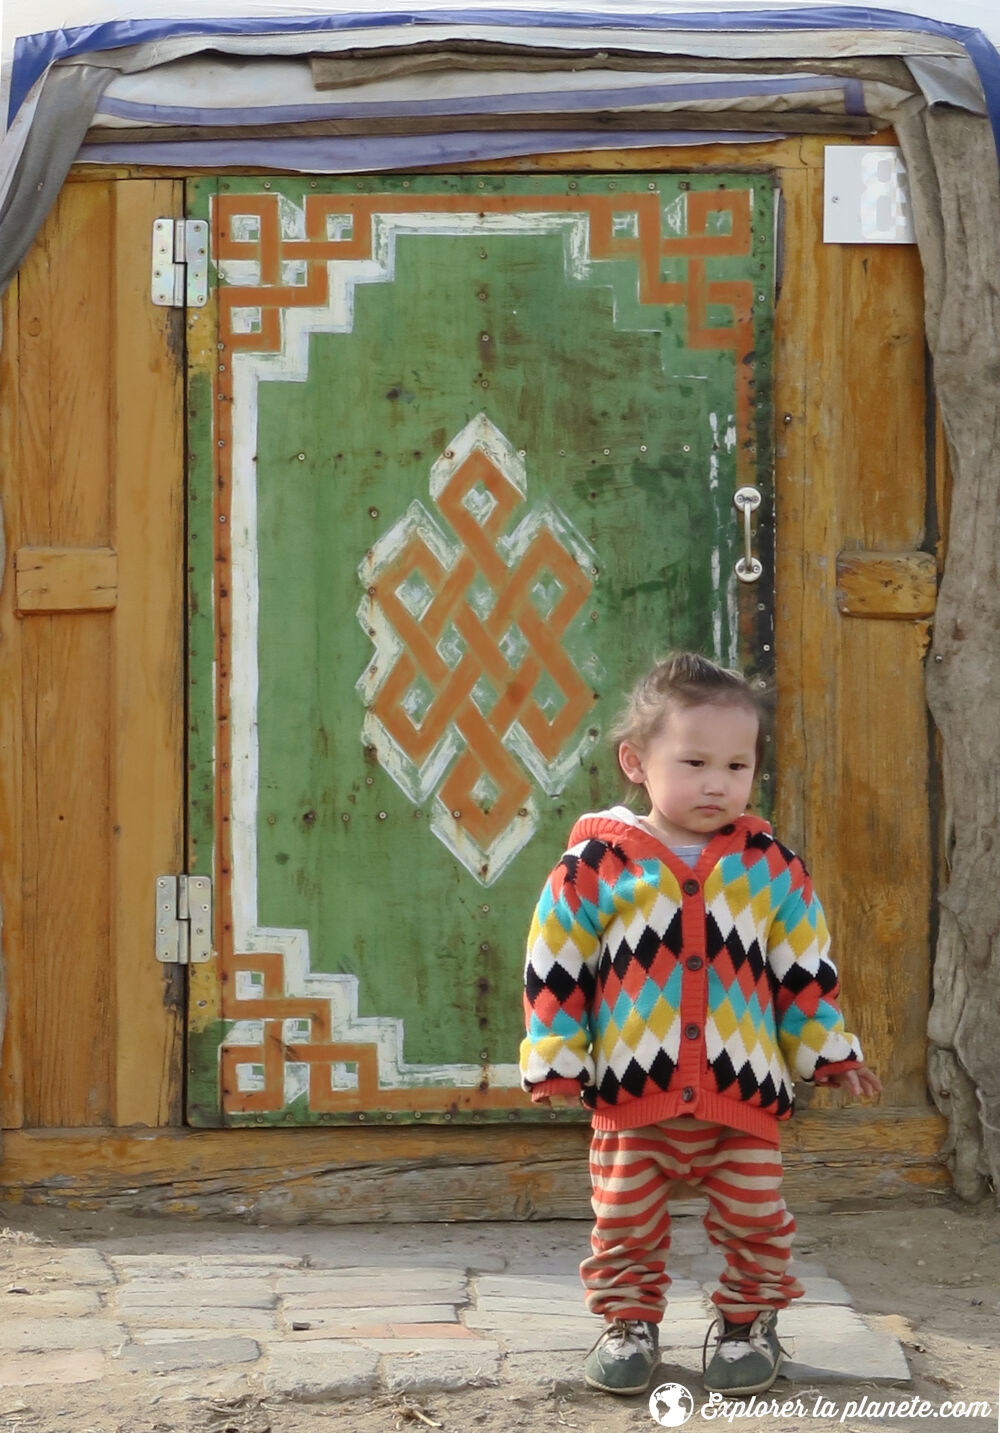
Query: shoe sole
623, 1392
748, 1387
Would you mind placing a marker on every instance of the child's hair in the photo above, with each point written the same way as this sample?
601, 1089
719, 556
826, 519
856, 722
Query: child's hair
686, 679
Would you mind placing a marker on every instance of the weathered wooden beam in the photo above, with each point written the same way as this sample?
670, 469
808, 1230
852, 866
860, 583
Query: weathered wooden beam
341, 1176
65, 579
900, 585
382, 62
538, 122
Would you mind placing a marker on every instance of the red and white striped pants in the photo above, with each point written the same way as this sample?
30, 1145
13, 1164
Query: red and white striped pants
635, 1172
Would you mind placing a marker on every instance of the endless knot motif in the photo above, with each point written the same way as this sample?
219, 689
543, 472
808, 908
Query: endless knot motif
472, 691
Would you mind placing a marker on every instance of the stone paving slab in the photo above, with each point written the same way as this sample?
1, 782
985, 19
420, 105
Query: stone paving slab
686, 1298
418, 1347
158, 1337
706, 1268
203, 1294
351, 1283
313, 1372
295, 1314
688, 1236
385, 1330
442, 1372
405, 1308
203, 1266
519, 1338
72, 1266
565, 1289
181, 1316
678, 1333
556, 1336
174, 1354
824, 1291
371, 1298
699, 1306
537, 1321
51, 1303
834, 1343
551, 1307
47, 1335
682, 1289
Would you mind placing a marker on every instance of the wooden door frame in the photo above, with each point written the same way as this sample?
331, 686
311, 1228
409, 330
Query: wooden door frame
833, 494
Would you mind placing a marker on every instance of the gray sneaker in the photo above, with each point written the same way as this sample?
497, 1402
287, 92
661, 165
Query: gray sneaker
747, 1356
623, 1358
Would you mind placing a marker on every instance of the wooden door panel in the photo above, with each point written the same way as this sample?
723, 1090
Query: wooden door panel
473, 446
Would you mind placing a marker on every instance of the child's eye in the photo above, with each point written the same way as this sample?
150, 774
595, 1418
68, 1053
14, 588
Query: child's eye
738, 766
692, 762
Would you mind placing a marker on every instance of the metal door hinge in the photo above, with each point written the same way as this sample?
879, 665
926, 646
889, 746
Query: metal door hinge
180, 263
183, 919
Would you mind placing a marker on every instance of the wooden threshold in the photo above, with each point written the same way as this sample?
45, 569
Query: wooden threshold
340, 1176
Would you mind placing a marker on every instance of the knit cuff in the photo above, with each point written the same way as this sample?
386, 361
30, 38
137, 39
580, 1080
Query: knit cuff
835, 1067
555, 1086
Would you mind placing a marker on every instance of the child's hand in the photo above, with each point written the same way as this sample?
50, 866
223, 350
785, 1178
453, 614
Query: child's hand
858, 1081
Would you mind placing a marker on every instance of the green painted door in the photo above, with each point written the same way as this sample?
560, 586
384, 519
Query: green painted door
463, 458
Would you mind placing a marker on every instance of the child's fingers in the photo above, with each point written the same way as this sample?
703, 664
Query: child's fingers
858, 1081
862, 1082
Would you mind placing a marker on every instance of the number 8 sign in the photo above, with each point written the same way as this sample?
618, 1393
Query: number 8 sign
867, 197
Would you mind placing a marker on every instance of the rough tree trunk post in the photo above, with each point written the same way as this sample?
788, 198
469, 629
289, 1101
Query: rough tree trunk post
953, 163
3, 1020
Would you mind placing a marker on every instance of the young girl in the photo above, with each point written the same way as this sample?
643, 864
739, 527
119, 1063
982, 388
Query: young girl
678, 980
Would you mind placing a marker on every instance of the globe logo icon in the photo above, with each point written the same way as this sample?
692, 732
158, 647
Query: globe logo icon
671, 1405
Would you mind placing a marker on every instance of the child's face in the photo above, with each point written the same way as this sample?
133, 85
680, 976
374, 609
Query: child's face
697, 770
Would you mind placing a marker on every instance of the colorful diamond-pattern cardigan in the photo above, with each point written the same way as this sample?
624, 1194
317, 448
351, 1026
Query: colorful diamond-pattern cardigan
661, 990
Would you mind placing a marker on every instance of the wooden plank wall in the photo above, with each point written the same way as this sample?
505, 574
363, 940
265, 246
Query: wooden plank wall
91, 692
854, 759
91, 705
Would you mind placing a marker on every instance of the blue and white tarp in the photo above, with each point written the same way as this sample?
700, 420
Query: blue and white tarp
146, 40
38, 33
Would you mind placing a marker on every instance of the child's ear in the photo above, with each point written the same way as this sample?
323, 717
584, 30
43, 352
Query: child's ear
630, 762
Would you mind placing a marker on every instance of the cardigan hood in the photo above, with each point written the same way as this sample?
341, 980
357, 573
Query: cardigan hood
659, 989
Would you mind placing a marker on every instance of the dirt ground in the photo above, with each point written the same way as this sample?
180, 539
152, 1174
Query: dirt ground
929, 1273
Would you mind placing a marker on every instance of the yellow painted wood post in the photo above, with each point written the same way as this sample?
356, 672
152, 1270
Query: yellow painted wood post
147, 698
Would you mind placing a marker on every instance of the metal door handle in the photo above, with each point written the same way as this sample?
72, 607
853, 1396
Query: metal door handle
748, 567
